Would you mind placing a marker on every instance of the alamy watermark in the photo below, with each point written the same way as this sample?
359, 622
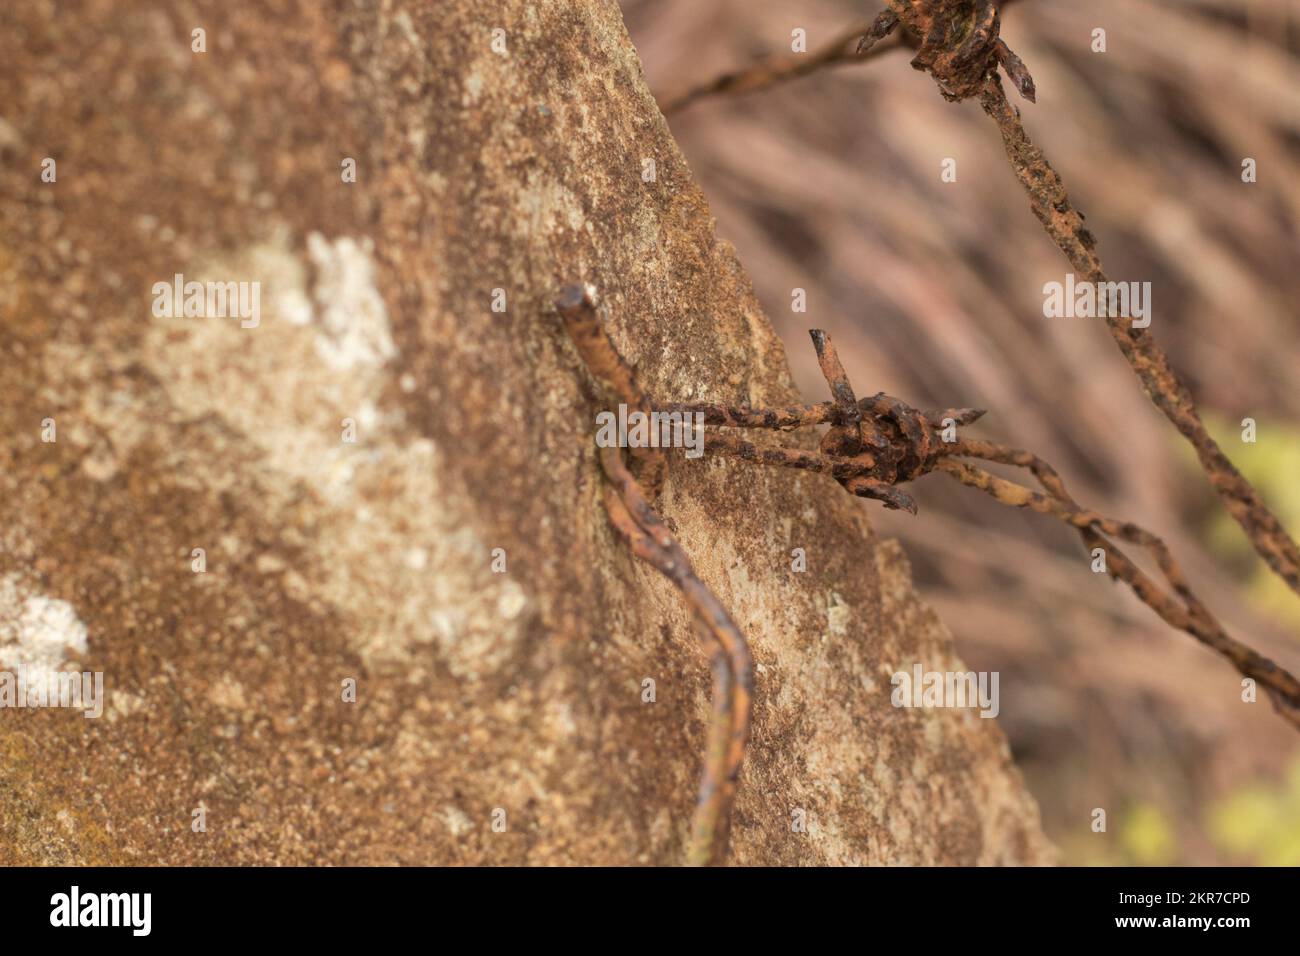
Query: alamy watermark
958, 689
636, 429
1091, 300
75, 908
208, 300
43, 687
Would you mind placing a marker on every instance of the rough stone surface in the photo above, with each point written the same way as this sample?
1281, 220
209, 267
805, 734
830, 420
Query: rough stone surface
372, 560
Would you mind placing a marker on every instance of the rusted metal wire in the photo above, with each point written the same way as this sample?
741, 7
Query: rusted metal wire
1167, 391
1191, 616
877, 442
871, 445
960, 47
634, 518
773, 70
879, 28
862, 42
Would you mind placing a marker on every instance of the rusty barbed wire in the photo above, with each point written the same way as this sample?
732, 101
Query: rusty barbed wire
634, 518
1162, 384
773, 70
875, 443
871, 446
860, 43
1192, 617
960, 46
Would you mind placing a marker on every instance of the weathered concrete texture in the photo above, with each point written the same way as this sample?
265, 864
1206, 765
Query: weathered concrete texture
373, 560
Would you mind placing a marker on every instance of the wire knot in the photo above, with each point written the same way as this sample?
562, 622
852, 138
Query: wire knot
959, 44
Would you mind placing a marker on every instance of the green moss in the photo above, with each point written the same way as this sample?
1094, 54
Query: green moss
1260, 822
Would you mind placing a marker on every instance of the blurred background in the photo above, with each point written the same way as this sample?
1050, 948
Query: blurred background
933, 292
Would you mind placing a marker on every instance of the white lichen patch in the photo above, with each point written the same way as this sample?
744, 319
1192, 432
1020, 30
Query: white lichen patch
457, 822
838, 616
352, 320
37, 632
317, 371
122, 704
407, 28
473, 88
228, 694
544, 205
